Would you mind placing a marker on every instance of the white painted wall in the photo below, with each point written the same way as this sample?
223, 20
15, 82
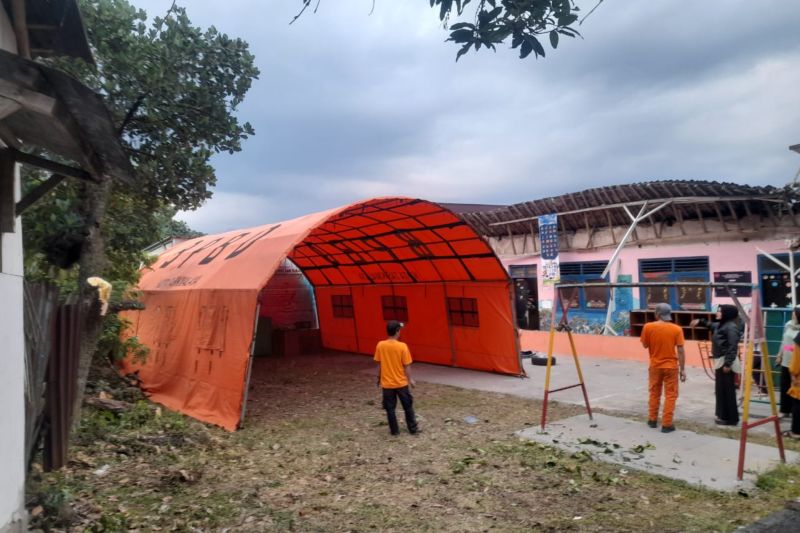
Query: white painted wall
8, 39
12, 356
12, 380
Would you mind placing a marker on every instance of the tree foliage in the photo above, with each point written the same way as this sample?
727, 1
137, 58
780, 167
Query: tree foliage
172, 90
526, 23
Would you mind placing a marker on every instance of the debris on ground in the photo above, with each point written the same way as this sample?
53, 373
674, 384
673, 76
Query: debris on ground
297, 467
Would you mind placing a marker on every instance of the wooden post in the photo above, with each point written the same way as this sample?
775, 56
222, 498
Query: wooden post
21, 28
7, 190
511, 237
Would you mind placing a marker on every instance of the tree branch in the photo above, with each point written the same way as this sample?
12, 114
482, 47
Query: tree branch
166, 15
586, 16
306, 3
131, 112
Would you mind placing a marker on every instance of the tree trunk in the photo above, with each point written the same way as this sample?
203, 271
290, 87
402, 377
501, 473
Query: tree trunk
93, 262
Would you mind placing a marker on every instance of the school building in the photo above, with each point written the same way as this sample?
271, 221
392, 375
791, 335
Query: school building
685, 231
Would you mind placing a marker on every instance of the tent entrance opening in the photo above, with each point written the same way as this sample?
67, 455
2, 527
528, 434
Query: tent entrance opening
287, 319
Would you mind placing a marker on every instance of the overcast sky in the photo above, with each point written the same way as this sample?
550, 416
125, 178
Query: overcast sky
351, 105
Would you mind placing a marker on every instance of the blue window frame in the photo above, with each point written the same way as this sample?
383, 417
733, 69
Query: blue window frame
686, 269
774, 281
585, 298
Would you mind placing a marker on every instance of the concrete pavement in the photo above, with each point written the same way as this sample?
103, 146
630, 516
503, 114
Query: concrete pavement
702, 460
611, 385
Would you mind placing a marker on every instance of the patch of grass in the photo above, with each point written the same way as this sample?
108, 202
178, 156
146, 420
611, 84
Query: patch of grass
784, 480
296, 468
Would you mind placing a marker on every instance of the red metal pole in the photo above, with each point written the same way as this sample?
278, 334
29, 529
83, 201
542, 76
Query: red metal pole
586, 399
742, 445
779, 437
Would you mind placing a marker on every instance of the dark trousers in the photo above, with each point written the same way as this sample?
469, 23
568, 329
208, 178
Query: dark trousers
390, 404
796, 417
786, 400
725, 390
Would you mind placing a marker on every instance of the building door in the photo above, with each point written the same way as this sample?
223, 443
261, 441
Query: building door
526, 295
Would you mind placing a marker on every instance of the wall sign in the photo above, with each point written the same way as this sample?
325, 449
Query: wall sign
733, 277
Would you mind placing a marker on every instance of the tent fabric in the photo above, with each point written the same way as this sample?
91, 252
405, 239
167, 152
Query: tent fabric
367, 262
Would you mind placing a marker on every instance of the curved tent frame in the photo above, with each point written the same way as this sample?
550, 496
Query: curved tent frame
202, 298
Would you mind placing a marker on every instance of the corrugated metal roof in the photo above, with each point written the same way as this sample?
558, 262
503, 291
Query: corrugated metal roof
602, 206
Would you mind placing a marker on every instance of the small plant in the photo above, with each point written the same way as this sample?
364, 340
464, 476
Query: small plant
782, 478
116, 345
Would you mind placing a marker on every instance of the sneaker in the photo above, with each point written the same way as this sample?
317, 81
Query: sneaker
652, 423
667, 429
416, 431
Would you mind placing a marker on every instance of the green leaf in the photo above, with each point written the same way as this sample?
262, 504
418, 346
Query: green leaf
485, 17
464, 50
566, 20
554, 38
445, 8
462, 36
537, 46
526, 49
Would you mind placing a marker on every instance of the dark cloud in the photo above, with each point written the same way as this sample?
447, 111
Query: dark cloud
350, 105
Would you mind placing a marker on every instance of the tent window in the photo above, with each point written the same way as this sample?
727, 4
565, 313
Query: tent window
463, 311
342, 305
395, 308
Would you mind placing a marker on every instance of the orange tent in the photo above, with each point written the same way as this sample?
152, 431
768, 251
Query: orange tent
367, 262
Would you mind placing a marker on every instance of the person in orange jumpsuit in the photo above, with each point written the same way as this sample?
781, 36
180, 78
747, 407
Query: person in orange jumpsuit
663, 340
394, 377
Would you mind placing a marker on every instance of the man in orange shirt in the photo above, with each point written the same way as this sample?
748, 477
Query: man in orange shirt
663, 338
394, 377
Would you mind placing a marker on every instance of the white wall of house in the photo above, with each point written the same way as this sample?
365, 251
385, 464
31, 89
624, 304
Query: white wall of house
12, 380
12, 355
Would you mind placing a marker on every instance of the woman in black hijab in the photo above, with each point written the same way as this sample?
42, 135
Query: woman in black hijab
725, 351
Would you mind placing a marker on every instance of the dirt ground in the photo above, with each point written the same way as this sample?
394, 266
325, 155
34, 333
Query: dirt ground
316, 455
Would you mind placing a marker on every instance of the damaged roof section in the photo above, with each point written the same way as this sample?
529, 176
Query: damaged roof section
41, 107
43, 110
606, 206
